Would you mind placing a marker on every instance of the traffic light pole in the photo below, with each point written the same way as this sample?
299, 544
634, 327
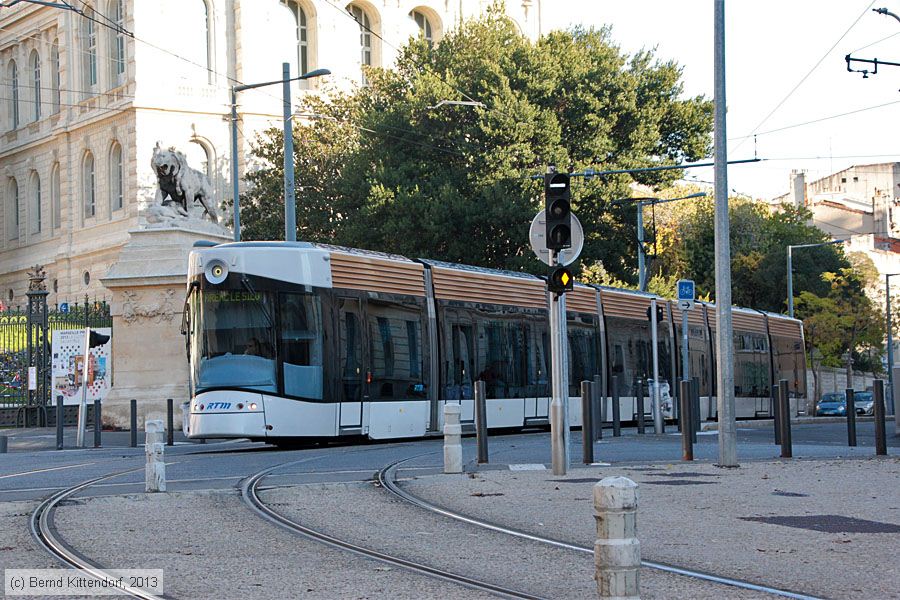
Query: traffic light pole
654, 338
559, 425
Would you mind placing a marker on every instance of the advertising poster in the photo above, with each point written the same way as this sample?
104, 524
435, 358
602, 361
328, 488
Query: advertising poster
68, 359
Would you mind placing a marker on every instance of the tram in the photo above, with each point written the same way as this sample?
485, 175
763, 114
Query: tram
289, 340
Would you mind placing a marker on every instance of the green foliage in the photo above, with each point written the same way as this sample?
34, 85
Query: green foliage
378, 168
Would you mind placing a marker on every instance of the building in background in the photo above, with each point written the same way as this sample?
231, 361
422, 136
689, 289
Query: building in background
86, 95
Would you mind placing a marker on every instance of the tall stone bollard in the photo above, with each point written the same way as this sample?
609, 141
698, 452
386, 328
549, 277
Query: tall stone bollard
155, 471
453, 462
617, 551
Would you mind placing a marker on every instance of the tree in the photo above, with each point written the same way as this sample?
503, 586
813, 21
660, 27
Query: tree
380, 168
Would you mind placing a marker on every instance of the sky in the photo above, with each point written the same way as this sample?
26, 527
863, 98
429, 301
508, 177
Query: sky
784, 67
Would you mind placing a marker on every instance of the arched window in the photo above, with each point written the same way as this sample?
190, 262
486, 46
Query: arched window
34, 212
54, 83
35, 62
12, 214
116, 13
194, 39
55, 204
88, 186
12, 73
89, 51
425, 29
365, 36
116, 178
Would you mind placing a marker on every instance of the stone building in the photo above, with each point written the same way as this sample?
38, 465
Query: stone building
87, 94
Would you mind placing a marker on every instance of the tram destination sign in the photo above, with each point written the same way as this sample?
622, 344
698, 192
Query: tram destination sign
537, 235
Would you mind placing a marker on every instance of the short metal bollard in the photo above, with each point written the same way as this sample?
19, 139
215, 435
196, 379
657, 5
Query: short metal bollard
776, 414
616, 409
60, 423
587, 421
4, 444
453, 462
155, 471
695, 407
133, 424
481, 432
850, 402
98, 423
639, 394
617, 551
784, 408
880, 433
598, 404
686, 422
170, 422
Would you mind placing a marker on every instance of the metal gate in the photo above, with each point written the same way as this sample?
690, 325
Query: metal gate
25, 343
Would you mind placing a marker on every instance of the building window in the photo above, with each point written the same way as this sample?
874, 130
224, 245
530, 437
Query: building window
35, 212
89, 186
12, 221
365, 37
86, 278
117, 42
425, 29
55, 207
116, 178
12, 72
54, 88
89, 52
36, 85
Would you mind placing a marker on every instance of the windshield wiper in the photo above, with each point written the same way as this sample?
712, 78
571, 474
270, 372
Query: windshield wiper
249, 287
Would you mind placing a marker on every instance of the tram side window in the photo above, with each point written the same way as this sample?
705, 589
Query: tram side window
502, 359
584, 360
751, 365
301, 345
395, 345
538, 361
790, 364
629, 341
460, 363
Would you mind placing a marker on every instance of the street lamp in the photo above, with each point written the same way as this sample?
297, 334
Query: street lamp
290, 219
642, 254
790, 271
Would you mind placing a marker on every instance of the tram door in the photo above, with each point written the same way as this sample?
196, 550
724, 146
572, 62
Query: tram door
353, 362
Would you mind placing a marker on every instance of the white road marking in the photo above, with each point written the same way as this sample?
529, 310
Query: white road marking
527, 467
45, 470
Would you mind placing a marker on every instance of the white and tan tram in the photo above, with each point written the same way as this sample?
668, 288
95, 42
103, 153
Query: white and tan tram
292, 340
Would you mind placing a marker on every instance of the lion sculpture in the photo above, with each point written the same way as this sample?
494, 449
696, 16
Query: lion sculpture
181, 185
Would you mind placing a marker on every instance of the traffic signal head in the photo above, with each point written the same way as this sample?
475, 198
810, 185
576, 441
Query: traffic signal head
558, 211
659, 314
97, 339
560, 280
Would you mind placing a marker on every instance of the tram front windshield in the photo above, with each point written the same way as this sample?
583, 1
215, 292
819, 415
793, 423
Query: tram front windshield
235, 345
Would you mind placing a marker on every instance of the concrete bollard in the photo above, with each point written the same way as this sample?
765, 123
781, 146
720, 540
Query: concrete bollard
617, 551
155, 472
3, 444
453, 462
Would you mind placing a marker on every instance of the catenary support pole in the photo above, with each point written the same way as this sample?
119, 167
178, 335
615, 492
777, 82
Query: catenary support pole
724, 339
559, 425
235, 182
642, 259
616, 408
659, 426
896, 394
891, 404
587, 421
481, 431
687, 446
784, 406
850, 401
617, 551
880, 433
290, 203
133, 424
790, 282
82, 406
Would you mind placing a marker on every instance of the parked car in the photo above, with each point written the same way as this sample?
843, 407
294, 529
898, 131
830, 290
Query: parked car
834, 404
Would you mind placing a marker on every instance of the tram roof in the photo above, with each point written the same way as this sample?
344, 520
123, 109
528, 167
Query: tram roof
474, 269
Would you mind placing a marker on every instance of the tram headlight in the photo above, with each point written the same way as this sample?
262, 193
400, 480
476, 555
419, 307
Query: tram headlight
253, 406
216, 272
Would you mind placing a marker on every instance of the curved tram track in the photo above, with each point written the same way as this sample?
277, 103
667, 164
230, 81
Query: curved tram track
44, 532
387, 479
249, 492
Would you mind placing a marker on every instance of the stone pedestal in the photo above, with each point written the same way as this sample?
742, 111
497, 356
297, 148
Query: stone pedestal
148, 285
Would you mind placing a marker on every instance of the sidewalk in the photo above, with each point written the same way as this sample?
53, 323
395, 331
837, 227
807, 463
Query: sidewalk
35, 439
823, 527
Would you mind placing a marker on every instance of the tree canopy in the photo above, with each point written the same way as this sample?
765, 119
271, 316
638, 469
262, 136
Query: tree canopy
380, 168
